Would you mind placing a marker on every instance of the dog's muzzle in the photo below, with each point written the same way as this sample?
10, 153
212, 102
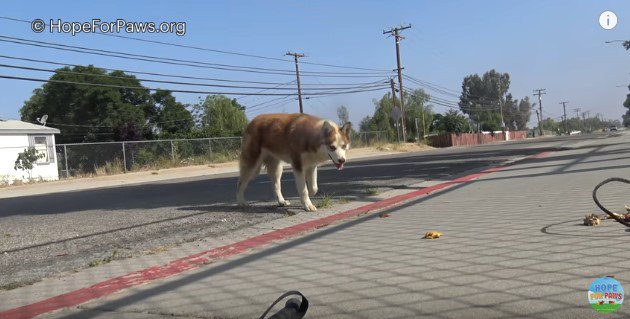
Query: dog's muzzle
338, 165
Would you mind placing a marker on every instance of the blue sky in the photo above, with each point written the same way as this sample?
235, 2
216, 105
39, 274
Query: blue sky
557, 45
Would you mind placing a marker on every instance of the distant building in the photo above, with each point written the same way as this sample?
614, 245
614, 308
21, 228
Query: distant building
17, 136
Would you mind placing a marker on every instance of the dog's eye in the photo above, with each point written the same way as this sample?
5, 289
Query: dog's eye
332, 148
344, 146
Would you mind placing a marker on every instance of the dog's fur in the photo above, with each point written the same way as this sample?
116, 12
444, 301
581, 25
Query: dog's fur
302, 140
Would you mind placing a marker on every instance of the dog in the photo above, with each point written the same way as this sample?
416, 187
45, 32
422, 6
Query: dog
302, 140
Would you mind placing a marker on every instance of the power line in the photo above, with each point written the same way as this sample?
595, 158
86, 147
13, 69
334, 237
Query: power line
438, 88
174, 75
455, 104
166, 82
431, 86
282, 101
451, 105
265, 90
171, 61
177, 91
209, 50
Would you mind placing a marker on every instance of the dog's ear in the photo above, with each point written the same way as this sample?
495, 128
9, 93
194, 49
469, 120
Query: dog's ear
345, 129
327, 128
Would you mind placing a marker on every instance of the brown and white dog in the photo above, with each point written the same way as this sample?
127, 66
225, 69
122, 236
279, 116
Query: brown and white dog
302, 140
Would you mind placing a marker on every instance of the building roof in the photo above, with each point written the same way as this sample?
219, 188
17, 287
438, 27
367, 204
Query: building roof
18, 127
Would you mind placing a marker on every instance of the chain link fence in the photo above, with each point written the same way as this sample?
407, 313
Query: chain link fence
119, 157
370, 138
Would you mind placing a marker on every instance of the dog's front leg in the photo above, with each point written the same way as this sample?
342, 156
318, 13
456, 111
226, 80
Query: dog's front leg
311, 180
300, 182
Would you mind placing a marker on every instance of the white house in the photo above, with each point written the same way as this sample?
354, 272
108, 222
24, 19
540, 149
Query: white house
17, 136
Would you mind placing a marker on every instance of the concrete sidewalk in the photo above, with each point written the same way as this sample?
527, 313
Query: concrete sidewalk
513, 247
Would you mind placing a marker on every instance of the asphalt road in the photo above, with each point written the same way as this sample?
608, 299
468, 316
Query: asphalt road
46, 234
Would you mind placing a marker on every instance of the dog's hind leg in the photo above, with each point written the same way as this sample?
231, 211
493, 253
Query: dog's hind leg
274, 170
250, 163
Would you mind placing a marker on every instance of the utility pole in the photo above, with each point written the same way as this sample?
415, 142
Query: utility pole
501, 107
396, 32
584, 121
424, 126
538, 117
577, 114
539, 93
417, 131
391, 83
564, 107
297, 74
588, 117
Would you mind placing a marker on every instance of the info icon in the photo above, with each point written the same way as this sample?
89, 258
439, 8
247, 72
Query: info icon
608, 20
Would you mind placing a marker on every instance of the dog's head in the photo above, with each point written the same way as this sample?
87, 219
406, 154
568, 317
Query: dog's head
336, 142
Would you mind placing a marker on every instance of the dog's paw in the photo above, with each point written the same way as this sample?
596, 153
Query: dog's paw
284, 203
312, 191
241, 203
309, 207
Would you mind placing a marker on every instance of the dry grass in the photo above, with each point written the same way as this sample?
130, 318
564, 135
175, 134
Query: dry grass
324, 202
103, 261
402, 147
371, 191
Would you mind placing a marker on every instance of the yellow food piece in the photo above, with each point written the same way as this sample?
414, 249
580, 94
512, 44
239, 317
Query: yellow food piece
432, 235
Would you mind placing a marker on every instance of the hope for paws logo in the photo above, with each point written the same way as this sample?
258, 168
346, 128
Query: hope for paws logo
605, 295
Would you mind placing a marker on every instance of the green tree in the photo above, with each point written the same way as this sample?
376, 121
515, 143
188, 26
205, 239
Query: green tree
219, 115
382, 119
366, 124
552, 125
26, 159
416, 108
451, 122
482, 96
91, 113
173, 119
520, 117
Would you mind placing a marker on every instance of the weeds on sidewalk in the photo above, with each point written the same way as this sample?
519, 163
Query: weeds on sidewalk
103, 261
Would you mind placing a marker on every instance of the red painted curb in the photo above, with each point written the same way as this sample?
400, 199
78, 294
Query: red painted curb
108, 287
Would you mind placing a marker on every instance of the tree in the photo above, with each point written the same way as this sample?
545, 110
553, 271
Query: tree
26, 159
382, 120
343, 114
552, 125
173, 119
218, 115
482, 97
416, 108
522, 115
91, 113
451, 122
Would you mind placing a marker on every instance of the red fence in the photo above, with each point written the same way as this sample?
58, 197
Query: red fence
447, 140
